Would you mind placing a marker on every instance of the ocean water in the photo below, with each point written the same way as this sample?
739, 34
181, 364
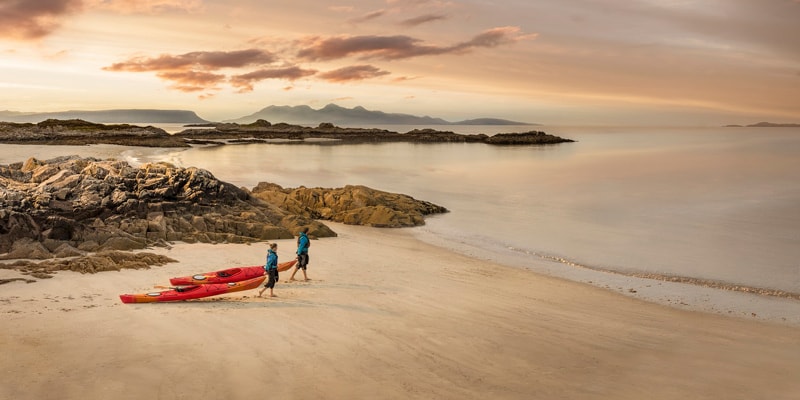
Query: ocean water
624, 208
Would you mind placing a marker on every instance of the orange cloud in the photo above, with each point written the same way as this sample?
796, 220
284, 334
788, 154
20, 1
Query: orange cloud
189, 72
146, 6
30, 20
400, 46
207, 60
404, 78
192, 81
493, 37
368, 16
353, 73
245, 81
422, 19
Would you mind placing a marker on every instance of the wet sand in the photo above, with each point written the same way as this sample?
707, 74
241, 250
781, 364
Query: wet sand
384, 316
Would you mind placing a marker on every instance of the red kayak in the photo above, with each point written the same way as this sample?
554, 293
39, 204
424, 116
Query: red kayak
228, 275
192, 291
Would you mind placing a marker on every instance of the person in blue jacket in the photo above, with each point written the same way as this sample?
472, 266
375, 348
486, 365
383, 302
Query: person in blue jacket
302, 253
271, 268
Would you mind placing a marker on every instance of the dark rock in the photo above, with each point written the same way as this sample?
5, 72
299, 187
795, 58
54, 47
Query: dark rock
82, 132
92, 204
354, 205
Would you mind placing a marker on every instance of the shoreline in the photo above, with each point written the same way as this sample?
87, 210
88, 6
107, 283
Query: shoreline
384, 313
712, 299
690, 296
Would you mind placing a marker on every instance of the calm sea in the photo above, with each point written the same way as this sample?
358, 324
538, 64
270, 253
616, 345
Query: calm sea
707, 206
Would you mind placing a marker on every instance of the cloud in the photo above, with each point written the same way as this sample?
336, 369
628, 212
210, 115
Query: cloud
191, 72
35, 19
30, 20
405, 78
200, 70
353, 73
422, 19
400, 46
493, 37
206, 60
192, 81
368, 16
244, 82
146, 6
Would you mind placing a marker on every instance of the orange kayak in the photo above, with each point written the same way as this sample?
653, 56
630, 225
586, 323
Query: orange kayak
192, 291
228, 275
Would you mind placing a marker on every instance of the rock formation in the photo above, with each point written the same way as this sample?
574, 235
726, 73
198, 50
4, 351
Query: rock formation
69, 206
75, 132
78, 132
72, 207
88, 263
353, 205
264, 131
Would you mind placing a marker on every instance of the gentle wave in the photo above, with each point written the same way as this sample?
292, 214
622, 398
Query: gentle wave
709, 283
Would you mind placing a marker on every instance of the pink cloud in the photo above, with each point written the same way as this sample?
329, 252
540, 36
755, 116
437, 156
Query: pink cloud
146, 6
30, 20
244, 82
207, 60
353, 73
422, 19
192, 81
368, 16
400, 46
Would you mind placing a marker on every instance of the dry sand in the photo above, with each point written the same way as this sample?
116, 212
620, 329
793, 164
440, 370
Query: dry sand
384, 316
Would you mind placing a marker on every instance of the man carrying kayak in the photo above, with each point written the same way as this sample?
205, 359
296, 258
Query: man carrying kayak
302, 253
271, 268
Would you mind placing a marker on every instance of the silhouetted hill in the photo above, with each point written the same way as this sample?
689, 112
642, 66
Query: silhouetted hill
490, 121
133, 116
337, 115
764, 125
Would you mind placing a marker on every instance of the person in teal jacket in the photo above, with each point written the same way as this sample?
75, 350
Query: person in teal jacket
302, 253
271, 268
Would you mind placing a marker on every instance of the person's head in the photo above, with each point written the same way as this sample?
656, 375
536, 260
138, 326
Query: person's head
305, 229
273, 246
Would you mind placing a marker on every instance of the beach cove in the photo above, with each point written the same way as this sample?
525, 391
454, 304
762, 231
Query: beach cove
453, 309
384, 315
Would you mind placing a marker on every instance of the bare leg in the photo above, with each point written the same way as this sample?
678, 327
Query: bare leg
261, 291
291, 278
305, 277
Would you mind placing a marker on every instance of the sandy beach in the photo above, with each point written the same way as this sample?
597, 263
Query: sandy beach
384, 316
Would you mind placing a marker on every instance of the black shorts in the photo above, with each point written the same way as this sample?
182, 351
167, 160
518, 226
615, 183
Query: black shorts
273, 277
302, 261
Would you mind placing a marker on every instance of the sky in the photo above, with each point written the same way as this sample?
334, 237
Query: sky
559, 62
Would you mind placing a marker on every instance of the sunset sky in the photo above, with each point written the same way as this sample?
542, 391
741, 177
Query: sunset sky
565, 62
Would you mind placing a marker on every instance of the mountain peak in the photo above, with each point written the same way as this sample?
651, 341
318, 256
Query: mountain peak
358, 115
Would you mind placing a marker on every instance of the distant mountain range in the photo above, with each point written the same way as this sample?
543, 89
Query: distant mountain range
765, 125
132, 116
298, 115
337, 115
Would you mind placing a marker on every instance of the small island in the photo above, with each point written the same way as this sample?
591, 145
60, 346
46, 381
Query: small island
80, 132
764, 125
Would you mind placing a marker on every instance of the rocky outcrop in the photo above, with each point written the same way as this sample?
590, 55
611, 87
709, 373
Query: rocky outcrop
78, 132
71, 206
354, 205
91, 263
525, 138
263, 131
